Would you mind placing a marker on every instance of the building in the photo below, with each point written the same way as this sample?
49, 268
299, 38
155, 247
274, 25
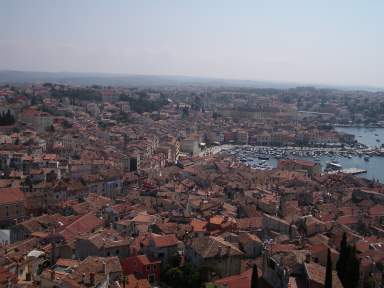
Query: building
142, 267
104, 243
39, 120
163, 247
309, 167
215, 253
243, 280
315, 276
190, 146
11, 206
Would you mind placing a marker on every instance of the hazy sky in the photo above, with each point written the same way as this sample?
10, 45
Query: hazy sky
319, 41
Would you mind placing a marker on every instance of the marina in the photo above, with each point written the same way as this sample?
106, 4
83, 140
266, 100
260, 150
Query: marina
364, 160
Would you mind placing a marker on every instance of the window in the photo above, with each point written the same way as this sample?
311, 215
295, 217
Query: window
117, 252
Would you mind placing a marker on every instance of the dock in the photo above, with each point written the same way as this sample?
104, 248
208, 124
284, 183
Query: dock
352, 171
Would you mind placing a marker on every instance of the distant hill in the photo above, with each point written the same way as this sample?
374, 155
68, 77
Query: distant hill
28, 77
126, 80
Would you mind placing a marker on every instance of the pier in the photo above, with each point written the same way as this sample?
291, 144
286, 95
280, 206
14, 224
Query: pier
352, 171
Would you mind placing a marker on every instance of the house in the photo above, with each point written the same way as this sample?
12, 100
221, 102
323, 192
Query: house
215, 253
242, 280
142, 267
11, 206
280, 261
39, 120
199, 227
43, 223
137, 224
250, 244
251, 224
93, 272
309, 167
221, 223
132, 282
163, 247
319, 253
276, 224
190, 146
85, 224
104, 243
312, 225
7, 279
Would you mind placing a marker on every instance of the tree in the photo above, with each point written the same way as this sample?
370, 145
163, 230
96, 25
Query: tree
328, 271
370, 282
352, 271
255, 277
6, 118
341, 263
174, 277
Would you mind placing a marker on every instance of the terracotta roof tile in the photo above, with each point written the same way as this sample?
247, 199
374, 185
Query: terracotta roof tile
242, 280
11, 195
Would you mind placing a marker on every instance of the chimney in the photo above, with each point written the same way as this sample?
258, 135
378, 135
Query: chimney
83, 278
92, 278
104, 268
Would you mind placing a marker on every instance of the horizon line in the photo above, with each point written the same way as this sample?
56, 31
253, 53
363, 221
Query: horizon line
294, 84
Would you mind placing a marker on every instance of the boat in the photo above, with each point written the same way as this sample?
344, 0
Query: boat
263, 157
332, 166
377, 140
366, 158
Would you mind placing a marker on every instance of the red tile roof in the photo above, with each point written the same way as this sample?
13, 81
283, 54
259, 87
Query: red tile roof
84, 224
316, 273
130, 264
133, 282
198, 225
161, 241
300, 162
242, 280
67, 262
11, 195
